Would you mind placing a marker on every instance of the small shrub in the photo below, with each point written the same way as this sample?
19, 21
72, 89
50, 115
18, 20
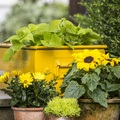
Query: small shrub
65, 107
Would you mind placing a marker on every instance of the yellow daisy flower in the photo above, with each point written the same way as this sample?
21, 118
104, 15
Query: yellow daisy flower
4, 77
38, 76
16, 73
87, 59
26, 79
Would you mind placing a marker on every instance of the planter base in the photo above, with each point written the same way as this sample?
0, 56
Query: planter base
94, 111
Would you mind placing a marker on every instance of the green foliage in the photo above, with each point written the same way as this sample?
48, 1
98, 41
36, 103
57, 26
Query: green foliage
103, 16
99, 84
56, 34
63, 107
29, 11
35, 95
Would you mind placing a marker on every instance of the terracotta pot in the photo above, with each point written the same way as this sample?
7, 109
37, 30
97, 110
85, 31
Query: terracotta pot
93, 111
53, 117
28, 113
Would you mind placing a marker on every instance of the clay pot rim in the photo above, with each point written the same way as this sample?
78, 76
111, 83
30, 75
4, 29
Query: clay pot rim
110, 101
27, 109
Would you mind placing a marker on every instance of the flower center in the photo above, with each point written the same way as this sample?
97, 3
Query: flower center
88, 59
25, 81
109, 60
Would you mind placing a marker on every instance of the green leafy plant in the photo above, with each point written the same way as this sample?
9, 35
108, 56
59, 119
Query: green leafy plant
103, 16
63, 107
56, 34
93, 75
29, 90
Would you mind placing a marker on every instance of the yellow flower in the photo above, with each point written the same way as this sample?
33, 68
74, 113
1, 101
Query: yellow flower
87, 59
38, 76
107, 60
26, 79
116, 60
16, 73
4, 77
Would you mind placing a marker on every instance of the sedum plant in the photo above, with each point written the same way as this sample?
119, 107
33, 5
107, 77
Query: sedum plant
56, 34
28, 90
63, 107
93, 75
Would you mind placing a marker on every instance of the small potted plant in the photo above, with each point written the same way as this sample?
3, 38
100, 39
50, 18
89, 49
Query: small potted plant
62, 108
94, 78
29, 94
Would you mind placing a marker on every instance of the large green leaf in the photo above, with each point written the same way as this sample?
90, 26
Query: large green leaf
33, 27
14, 102
69, 76
74, 90
99, 96
83, 31
52, 40
111, 87
85, 79
54, 25
74, 69
91, 80
8, 55
92, 34
110, 76
16, 45
14, 37
47, 37
24, 95
23, 32
68, 44
28, 37
116, 71
98, 70
66, 24
87, 40
41, 30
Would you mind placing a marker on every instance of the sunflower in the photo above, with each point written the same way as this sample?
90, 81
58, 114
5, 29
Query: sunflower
4, 77
16, 73
26, 79
87, 59
38, 76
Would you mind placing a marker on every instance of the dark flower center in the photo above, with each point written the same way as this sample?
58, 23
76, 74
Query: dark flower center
109, 60
88, 59
25, 81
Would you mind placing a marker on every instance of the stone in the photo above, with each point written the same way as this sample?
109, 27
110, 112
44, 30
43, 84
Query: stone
6, 113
